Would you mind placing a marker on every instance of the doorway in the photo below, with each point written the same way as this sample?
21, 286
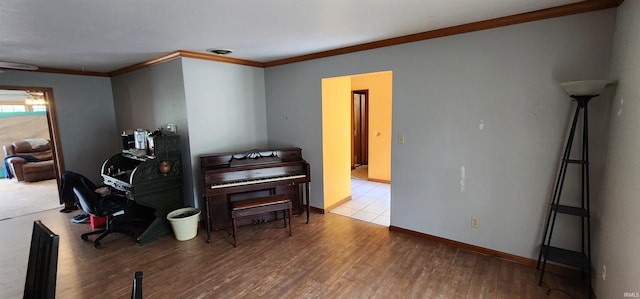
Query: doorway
360, 128
356, 130
29, 113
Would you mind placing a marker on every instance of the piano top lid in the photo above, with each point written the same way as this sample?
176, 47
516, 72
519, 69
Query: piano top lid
250, 157
255, 154
235, 162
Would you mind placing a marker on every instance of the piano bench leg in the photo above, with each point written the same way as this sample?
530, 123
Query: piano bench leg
235, 227
208, 219
289, 219
284, 217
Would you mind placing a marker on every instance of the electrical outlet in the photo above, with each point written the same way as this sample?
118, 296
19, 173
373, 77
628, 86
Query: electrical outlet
475, 222
604, 272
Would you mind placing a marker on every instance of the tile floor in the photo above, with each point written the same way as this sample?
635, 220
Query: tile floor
370, 201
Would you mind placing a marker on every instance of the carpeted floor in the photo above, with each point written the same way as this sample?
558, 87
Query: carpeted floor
20, 198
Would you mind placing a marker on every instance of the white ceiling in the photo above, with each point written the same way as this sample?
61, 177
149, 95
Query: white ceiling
103, 36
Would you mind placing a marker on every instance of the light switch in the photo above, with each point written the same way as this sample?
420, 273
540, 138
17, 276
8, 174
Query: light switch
400, 138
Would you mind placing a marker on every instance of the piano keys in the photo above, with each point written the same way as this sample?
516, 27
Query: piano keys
256, 181
229, 177
153, 192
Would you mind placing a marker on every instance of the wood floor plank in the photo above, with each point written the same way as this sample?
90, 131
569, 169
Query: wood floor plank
331, 257
484, 280
509, 282
458, 277
429, 283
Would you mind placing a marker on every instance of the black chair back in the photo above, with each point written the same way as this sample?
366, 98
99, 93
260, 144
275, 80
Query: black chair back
88, 199
43, 263
136, 291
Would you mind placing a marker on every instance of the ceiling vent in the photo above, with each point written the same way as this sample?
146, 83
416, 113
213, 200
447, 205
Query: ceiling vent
219, 51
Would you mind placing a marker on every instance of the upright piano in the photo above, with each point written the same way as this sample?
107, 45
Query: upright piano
154, 190
229, 177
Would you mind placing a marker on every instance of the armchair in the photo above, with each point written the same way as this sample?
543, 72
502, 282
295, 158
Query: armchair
96, 205
29, 160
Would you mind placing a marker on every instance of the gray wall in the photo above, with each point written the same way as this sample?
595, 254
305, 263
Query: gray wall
84, 106
224, 104
150, 98
504, 80
617, 230
225, 107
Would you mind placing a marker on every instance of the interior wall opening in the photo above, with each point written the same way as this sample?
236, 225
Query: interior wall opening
356, 132
28, 114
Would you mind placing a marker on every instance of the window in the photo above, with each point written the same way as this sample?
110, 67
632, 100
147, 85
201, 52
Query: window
13, 108
39, 108
22, 108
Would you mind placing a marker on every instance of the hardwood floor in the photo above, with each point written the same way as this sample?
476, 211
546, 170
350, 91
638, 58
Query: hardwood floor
332, 257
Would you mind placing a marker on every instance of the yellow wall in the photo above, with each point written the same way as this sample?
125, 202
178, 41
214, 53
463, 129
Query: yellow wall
336, 139
380, 96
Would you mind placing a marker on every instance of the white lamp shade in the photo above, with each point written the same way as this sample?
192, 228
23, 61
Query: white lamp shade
584, 88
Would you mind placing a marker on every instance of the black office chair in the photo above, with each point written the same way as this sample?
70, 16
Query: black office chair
96, 205
43, 263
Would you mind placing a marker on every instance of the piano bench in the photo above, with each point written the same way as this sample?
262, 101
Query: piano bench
259, 205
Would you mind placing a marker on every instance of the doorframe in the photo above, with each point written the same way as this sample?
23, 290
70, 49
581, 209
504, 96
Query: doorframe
52, 123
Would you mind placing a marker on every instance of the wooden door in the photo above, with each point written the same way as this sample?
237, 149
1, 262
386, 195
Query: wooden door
360, 129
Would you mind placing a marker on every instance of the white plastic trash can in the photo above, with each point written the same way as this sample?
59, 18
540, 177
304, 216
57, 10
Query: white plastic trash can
184, 223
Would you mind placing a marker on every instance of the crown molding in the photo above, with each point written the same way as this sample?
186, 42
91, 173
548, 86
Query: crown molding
61, 71
554, 12
213, 57
137, 66
184, 54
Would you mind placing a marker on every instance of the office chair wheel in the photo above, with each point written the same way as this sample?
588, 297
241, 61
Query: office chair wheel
96, 244
84, 237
